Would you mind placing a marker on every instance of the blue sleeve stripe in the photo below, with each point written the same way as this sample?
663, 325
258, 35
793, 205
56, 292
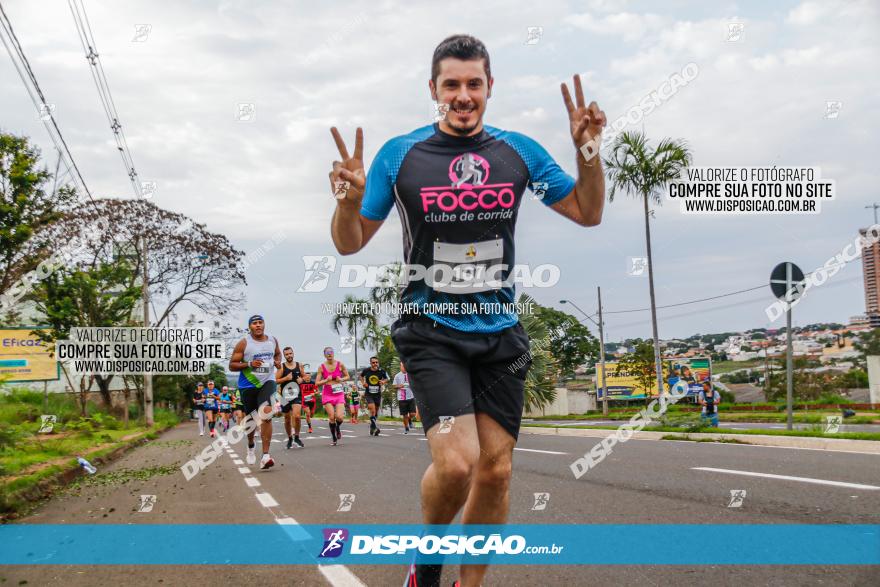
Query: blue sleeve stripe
379, 192
542, 168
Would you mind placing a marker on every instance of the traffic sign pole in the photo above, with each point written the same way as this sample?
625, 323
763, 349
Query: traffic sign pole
783, 280
789, 376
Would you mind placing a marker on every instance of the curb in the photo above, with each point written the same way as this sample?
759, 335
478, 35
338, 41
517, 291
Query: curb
829, 444
47, 486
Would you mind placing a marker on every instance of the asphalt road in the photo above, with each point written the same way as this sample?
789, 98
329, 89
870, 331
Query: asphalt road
640, 482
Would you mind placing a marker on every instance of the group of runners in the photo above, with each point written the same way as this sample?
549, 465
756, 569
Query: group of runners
291, 392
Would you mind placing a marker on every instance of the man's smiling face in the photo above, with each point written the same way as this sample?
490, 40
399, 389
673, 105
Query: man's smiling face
465, 87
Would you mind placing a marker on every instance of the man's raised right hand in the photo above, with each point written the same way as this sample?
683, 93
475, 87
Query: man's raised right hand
350, 169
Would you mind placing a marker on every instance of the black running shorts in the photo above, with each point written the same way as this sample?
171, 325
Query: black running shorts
454, 372
373, 398
253, 397
407, 406
287, 406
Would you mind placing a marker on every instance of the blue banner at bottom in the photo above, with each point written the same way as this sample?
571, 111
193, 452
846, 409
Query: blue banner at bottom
372, 544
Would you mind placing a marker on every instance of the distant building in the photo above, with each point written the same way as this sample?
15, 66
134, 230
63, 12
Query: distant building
859, 320
871, 273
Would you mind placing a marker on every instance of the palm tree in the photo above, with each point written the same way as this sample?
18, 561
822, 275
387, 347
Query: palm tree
350, 320
635, 169
374, 335
539, 381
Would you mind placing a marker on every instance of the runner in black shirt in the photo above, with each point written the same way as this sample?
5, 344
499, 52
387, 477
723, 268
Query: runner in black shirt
457, 186
289, 378
373, 379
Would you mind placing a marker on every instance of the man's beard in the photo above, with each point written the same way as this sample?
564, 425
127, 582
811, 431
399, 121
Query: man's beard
463, 130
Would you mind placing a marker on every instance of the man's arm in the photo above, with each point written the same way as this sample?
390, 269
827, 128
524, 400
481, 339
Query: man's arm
585, 202
279, 379
277, 355
235, 361
350, 231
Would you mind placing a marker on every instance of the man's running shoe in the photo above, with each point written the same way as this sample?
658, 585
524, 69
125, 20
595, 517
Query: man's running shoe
213, 434
251, 457
310, 428
338, 433
423, 576
298, 442
266, 462
289, 442
378, 431
406, 430
201, 433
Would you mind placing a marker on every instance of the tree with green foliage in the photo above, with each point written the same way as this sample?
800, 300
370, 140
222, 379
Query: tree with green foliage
869, 342
103, 295
806, 385
541, 378
640, 365
576, 347
28, 203
354, 316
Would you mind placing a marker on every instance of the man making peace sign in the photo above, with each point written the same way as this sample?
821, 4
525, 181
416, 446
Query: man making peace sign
457, 186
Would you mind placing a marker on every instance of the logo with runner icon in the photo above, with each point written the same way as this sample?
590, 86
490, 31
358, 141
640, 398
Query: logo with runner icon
468, 170
334, 541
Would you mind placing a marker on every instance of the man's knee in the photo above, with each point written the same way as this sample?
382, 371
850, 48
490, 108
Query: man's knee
495, 473
456, 467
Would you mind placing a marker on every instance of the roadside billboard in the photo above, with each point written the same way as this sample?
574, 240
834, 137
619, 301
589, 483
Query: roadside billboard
24, 357
625, 386
693, 370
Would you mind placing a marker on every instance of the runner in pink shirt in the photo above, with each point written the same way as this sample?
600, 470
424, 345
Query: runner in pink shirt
331, 375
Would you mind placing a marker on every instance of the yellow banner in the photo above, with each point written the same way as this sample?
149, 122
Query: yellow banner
24, 357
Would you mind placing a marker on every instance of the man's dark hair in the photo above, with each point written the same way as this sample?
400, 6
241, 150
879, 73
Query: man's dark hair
371, 358
287, 348
464, 47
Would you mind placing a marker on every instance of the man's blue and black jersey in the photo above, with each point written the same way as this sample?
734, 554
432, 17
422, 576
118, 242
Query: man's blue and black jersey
458, 199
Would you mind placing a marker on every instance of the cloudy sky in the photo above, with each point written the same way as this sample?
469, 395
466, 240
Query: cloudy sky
759, 100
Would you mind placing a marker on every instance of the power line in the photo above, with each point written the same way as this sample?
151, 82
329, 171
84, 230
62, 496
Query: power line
87, 40
35, 92
733, 293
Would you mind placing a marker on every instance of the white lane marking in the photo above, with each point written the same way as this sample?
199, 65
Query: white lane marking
788, 478
546, 452
825, 450
266, 500
244, 470
336, 575
251, 482
340, 576
238, 461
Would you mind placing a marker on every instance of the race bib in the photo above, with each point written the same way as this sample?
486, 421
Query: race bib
337, 388
291, 391
467, 268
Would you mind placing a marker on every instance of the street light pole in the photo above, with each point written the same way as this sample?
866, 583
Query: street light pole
601, 348
148, 377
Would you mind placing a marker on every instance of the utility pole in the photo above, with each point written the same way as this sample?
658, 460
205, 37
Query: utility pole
602, 354
148, 377
875, 206
601, 348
